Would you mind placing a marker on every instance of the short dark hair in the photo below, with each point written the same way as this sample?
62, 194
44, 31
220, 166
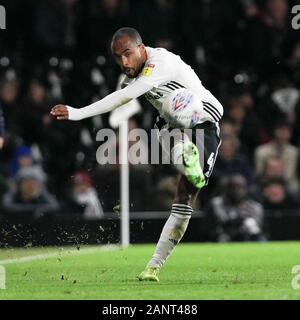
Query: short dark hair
268, 181
132, 33
283, 123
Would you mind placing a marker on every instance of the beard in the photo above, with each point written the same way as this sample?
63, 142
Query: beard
134, 72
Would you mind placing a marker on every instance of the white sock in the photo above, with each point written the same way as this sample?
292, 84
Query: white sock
172, 233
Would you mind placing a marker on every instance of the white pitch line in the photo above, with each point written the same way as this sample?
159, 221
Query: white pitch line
58, 254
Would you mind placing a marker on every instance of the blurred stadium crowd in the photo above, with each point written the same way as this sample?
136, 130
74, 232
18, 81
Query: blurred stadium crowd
57, 51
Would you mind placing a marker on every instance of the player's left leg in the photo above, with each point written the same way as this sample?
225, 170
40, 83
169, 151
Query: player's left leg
174, 228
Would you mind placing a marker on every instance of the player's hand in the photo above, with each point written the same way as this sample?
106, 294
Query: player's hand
60, 111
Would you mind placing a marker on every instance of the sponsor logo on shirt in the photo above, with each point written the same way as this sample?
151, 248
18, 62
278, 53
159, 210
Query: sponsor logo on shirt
181, 101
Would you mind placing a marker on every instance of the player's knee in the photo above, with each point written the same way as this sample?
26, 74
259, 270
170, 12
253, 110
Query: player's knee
186, 193
181, 200
187, 199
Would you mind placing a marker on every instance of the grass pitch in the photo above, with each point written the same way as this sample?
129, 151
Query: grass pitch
194, 271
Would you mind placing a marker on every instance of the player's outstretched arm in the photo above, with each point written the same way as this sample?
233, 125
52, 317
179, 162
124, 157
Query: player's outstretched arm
107, 104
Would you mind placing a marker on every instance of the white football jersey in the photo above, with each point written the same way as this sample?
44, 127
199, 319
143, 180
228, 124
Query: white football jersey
166, 72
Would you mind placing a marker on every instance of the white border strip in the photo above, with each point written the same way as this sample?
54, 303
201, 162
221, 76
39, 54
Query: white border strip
62, 253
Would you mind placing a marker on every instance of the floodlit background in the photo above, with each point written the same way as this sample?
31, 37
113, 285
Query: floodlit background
57, 51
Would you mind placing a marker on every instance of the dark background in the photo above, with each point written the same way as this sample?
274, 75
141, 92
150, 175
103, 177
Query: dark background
57, 51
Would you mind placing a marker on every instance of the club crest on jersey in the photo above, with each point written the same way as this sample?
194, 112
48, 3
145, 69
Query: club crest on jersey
181, 101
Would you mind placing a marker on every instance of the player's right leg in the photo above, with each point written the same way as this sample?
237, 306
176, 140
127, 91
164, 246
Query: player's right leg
198, 154
183, 154
190, 167
186, 194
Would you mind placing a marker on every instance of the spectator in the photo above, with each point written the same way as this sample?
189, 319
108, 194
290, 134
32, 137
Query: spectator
250, 8
266, 36
281, 148
161, 16
276, 197
234, 216
293, 63
31, 198
54, 26
23, 158
294, 59
230, 161
274, 168
245, 120
9, 93
83, 199
105, 15
35, 113
3, 187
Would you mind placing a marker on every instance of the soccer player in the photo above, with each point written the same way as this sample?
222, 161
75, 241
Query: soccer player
157, 74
